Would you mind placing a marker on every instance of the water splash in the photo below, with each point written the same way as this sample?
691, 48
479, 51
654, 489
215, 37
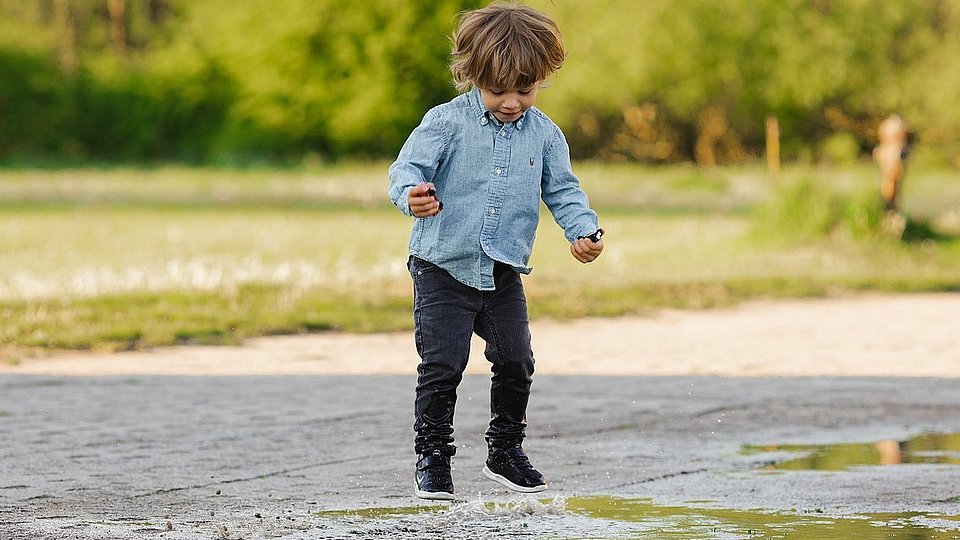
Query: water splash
614, 518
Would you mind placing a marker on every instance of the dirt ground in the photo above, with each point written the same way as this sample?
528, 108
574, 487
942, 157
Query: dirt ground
904, 335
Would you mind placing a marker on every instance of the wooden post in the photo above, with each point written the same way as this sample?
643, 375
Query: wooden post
66, 36
118, 25
773, 146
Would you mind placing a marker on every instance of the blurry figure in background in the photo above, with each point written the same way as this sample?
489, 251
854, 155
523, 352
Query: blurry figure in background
891, 156
890, 452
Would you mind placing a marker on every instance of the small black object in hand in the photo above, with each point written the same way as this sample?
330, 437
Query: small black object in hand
433, 193
595, 236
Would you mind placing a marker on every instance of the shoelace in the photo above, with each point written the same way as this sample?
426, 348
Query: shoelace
518, 458
440, 473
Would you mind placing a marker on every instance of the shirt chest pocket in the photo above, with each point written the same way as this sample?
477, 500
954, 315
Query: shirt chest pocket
526, 170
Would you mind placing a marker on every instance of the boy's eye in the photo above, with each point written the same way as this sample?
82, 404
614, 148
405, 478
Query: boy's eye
501, 91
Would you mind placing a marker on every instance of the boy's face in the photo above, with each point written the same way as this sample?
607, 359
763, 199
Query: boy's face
507, 104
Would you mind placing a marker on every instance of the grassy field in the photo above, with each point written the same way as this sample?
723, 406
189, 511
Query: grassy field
128, 258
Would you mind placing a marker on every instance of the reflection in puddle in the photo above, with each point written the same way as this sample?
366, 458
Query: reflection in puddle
599, 518
926, 448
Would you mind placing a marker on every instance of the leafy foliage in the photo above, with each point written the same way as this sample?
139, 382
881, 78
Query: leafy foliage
708, 73
215, 80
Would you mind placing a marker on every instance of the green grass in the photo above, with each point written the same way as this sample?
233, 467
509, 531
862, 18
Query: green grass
113, 259
136, 320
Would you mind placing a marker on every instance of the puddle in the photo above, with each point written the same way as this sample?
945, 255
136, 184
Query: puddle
942, 448
609, 518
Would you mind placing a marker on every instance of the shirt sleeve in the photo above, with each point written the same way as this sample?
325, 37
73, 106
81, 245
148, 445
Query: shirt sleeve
561, 192
419, 159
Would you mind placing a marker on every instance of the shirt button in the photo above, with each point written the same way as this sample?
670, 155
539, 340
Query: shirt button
492, 210
499, 170
483, 121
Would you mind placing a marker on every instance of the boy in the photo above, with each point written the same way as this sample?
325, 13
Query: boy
473, 173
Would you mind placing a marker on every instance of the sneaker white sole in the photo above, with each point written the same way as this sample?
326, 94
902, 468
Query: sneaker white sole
433, 495
510, 485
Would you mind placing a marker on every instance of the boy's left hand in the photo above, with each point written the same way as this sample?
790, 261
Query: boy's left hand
586, 250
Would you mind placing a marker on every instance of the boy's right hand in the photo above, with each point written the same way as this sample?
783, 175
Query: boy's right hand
422, 203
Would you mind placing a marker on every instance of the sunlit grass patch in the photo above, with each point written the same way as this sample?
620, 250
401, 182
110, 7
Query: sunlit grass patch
126, 258
103, 250
195, 187
139, 320
810, 208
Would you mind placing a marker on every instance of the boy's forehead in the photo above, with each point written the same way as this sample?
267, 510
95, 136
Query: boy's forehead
507, 74
505, 79
511, 88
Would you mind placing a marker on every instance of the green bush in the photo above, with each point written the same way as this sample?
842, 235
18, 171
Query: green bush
34, 105
809, 209
841, 148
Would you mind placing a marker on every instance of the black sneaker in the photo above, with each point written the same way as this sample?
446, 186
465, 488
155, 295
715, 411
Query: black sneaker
511, 467
433, 480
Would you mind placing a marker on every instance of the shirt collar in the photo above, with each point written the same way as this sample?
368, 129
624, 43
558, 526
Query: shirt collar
484, 116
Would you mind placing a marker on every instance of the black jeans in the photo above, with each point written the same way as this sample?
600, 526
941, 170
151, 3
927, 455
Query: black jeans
447, 313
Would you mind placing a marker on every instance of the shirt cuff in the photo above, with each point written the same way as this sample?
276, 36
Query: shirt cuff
585, 230
402, 203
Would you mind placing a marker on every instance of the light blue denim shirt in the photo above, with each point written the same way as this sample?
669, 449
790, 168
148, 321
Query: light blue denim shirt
490, 177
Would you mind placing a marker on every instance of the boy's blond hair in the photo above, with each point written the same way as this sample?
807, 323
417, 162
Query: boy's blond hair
505, 46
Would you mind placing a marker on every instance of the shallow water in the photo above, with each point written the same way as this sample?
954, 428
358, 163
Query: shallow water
938, 448
615, 518
602, 517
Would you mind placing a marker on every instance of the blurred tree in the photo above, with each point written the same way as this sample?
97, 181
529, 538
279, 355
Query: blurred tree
32, 105
713, 70
331, 77
661, 80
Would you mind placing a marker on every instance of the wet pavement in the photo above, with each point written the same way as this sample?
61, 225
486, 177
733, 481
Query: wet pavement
305, 457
